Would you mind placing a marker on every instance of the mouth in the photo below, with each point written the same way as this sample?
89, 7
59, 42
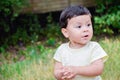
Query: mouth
86, 36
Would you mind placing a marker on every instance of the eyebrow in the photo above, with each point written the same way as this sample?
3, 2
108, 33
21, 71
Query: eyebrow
86, 21
89, 21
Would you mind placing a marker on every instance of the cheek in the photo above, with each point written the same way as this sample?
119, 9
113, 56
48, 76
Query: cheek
75, 35
91, 31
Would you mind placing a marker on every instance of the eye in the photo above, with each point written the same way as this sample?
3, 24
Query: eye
78, 26
88, 25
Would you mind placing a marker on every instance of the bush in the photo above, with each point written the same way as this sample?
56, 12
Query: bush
108, 18
9, 11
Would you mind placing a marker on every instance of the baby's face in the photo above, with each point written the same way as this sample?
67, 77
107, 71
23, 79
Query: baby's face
79, 29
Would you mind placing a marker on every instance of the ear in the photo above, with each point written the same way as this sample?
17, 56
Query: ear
65, 32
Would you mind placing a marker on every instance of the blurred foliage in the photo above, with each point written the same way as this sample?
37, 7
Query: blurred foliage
107, 20
24, 30
12, 7
9, 11
17, 30
30, 31
51, 32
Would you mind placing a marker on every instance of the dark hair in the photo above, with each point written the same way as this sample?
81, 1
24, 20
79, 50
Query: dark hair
71, 12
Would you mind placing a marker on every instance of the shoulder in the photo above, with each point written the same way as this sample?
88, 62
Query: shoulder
64, 45
93, 44
60, 52
97, 52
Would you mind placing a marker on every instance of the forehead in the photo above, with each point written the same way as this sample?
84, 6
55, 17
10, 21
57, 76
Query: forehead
80, 19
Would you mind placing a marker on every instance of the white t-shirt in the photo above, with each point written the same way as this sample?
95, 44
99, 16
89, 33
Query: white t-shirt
80, 57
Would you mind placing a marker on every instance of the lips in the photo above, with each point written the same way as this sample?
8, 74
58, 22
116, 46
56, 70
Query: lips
86, 36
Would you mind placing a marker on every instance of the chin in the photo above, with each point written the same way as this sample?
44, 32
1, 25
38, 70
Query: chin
84, 43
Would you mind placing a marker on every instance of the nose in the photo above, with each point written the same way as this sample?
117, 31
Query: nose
85, 28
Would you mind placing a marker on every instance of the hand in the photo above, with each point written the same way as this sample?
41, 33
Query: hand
62, 73
59, 74
68, 73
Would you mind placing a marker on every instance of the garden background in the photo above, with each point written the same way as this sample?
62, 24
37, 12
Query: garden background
29, 39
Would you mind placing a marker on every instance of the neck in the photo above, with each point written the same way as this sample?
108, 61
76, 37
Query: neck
76, 45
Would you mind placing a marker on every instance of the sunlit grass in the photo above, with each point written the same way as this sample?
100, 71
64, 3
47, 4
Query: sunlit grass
40, 67
112, 65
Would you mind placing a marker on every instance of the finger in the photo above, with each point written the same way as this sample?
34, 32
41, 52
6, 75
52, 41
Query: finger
66, 73
64, 77
71, 76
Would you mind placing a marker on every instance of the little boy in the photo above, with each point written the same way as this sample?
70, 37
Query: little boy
80, 58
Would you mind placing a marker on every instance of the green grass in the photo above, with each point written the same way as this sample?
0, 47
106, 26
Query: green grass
40, 66
112, 66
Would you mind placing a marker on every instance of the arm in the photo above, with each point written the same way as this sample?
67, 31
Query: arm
94, 69
58, 70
